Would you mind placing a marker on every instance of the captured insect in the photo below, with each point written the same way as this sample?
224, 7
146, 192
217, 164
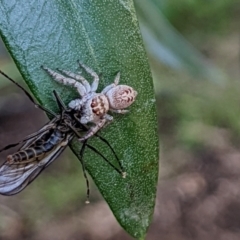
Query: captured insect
43, 147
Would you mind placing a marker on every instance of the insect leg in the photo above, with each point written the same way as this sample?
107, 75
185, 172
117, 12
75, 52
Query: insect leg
123, 173
100, 154
95, 82
82, 162
84, 170
28, 95
114, 153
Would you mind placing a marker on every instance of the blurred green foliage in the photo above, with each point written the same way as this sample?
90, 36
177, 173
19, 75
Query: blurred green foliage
199, 16
188, 109
167, 46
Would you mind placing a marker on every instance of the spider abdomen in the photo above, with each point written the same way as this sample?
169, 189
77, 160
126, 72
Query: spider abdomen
121, 96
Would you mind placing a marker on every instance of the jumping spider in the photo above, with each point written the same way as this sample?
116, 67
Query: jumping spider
94, 106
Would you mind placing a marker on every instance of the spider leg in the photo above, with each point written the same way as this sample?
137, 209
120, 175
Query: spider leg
77, 77
93, 130
95, 82
122, 111
117, 78
100, 124
114, 84
108, 117
66, 81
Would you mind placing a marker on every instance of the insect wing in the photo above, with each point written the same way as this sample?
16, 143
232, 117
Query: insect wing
15, 177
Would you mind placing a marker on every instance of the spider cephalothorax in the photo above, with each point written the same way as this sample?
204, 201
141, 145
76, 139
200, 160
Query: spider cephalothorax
94, 106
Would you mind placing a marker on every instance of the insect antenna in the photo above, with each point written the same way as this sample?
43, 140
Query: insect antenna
28, 95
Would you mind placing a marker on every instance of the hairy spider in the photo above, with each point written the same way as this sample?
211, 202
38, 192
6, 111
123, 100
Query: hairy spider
94, 106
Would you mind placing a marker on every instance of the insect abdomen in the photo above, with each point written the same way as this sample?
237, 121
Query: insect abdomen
54, 139
40, 147
26, 154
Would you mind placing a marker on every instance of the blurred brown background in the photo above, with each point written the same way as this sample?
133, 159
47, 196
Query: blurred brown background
193, 48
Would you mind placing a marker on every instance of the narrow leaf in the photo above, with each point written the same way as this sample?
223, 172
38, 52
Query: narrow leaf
105, 36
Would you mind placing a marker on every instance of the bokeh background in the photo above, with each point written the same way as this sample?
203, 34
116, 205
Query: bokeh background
194, 53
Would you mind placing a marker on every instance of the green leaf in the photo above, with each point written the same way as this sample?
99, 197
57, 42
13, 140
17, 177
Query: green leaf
105, 36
